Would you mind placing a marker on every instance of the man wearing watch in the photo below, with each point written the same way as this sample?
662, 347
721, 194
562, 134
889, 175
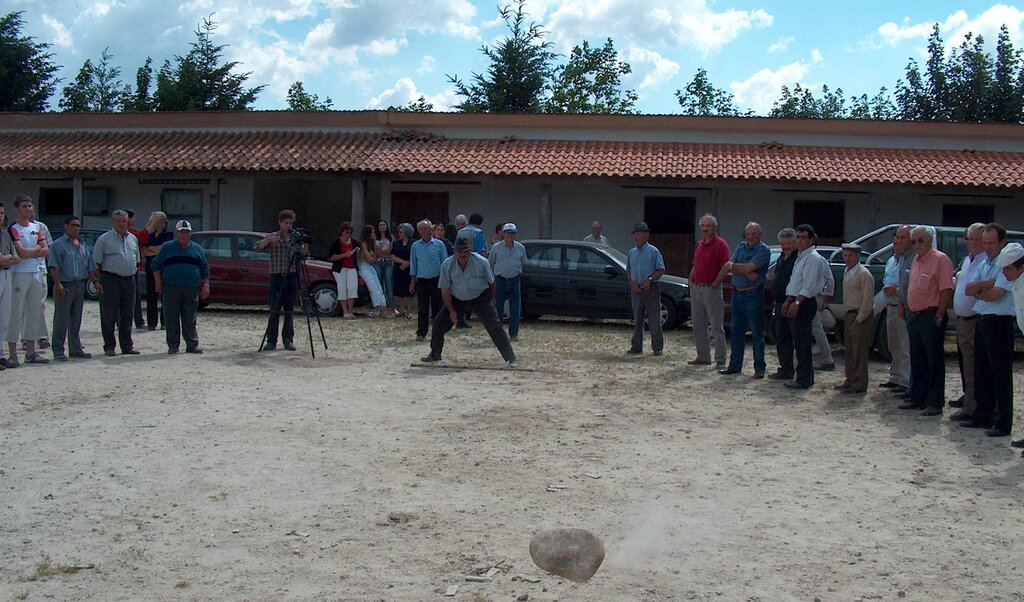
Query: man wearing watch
644, 266
182, 278
806, 283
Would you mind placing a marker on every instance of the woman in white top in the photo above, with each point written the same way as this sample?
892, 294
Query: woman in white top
367, 257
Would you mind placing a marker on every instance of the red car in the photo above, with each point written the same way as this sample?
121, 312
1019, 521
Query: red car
240, 274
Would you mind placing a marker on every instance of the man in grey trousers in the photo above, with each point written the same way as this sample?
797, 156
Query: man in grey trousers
644, 266
71, 266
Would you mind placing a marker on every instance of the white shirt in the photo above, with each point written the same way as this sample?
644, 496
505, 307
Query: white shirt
810, 274
963, 305
1018, 300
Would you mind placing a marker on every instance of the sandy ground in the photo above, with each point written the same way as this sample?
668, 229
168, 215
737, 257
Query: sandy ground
353, 476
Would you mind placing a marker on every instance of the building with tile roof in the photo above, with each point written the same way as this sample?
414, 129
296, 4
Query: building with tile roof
551, 174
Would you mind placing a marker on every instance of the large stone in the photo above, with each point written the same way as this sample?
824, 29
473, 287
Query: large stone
575, 554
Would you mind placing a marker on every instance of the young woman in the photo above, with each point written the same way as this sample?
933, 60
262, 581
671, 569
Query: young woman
366, 258
383, 265
342, 255
400, 257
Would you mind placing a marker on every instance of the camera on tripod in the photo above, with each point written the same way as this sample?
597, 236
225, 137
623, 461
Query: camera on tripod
300, 236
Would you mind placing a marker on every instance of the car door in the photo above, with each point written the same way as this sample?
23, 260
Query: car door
595, 285
253, 268
223, 269
543, 279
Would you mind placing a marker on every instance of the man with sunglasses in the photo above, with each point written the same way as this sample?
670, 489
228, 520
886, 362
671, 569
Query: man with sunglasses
928, 297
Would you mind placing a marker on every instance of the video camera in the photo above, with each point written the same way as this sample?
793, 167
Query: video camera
300, 236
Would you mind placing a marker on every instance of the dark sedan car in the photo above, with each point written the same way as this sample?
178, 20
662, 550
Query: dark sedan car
587, 280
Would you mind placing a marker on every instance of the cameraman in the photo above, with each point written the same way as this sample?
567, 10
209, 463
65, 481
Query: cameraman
284, 282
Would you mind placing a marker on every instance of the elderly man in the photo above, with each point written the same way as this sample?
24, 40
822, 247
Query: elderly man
966, 321
8, 258
706, 303
117, 258
28, 283
467, 283
928, 297
182, 278
425, 259
748, 268
71, 266
827, 363
644, 266
895, 322
507, 259
142, 235
1011, 262
595, 235
805, 286
858, 322
156, 235
783, 330
993, 339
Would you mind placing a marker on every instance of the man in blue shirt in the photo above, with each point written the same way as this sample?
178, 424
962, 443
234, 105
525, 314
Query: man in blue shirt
182, 277
644, 266
71, 265
507, 259
425, 258
748, 268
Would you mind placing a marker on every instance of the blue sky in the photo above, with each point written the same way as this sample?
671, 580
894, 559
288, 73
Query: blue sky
367, 54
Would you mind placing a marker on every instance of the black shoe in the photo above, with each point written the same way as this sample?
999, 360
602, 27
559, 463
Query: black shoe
957, 403
289, 346
825, 367
910, 406
1018, 443
997, 432
270, 347
420, 338
889, 385
795, 384
198, 350
975, 424
759, 375
429, 359
730, 371
931, 411
658, 353
780, 376
171, 351
634, 352
463, 325
900, 389
699, 362
961, 416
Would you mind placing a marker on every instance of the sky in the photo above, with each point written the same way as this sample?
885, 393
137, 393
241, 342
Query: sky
372, 54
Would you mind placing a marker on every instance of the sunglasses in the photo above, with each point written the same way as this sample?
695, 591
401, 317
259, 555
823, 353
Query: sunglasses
919, 241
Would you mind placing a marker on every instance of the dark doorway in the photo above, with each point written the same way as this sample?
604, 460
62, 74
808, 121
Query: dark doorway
412, 207
965, 215
673, 223
827, 217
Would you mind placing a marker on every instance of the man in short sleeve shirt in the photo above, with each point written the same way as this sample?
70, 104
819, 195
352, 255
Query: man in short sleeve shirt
706, 302
644, 266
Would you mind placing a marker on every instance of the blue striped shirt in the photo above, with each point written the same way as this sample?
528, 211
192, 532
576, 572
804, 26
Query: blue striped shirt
181, 266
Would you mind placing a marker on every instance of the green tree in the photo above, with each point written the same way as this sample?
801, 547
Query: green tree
912, 100
880, 107
97, 88
27, 77
141, 101
969, 80
938, 106
1005, 101
519, 71
199, 81
420, 105
701, 97
300, 100
590, 82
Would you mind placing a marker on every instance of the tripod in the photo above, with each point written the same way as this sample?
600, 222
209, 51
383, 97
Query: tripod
305, 303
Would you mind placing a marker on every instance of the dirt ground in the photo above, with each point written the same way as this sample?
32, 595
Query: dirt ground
353, 476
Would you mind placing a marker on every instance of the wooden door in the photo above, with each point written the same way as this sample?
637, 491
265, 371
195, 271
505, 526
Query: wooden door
672, 226
677, 249
412, 207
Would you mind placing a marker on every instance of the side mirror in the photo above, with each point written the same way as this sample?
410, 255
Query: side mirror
610, 270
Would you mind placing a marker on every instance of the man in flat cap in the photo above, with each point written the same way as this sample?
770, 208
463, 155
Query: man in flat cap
858, 322
1011, 261
467, 283
644, 266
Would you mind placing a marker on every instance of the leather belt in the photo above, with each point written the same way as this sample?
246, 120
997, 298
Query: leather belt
700, 283
119, 275
927, 309
748, 288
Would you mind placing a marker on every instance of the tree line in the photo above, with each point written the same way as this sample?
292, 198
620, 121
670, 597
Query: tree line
523, 75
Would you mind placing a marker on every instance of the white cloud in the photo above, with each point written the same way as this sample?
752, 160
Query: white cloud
427, 65
377, 21
669, 23
761, 90
952, 28
655, 68
816, 57
782, 44
405, 91
61, 35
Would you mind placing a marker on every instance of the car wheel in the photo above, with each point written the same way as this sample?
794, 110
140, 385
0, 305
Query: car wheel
90, 291
668, 314
325, 299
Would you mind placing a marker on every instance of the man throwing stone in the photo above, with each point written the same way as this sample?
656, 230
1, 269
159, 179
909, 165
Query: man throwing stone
467, 283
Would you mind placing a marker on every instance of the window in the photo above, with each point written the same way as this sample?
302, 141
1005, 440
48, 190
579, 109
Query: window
670, 215
247, 249
546, 257
216, 246
585, 260
827, 217
56, 201
96, 202
183, 204
965, 215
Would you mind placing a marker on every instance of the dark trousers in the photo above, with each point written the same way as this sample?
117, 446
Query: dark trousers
137, 313
283, 290
508, 289
927, 359
993, 371
67, 318
803, 340
153, 314
428, 304
117, 303
483, 306
784, 342
180, 306
647, 309
747, 314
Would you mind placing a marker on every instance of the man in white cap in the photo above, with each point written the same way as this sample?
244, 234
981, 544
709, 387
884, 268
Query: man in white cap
1011, 261
507, 259
182, 277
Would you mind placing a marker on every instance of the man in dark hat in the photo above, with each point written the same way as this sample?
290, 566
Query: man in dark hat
644, 266
467, 283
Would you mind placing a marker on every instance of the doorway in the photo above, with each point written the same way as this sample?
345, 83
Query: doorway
672, 222
411, 207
